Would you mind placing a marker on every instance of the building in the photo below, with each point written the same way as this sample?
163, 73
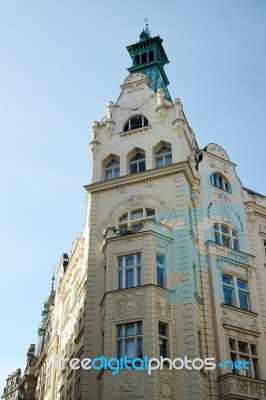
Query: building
171, 261
12, 389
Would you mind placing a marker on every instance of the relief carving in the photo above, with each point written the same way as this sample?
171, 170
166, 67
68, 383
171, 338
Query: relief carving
239, 320
163, 307
129, 306
166, 385
132, 387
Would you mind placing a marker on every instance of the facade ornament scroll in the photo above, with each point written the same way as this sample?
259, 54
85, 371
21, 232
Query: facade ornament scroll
166, 385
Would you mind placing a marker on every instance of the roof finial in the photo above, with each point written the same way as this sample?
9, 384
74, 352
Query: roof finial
53, 279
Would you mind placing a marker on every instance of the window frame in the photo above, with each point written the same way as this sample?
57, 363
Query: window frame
128, 127
124, 269
219, 182
224, 233
236, 292
112, 169
250, 355
161, 154
137, 163
126, 221
161, 267
124, 339
163, 338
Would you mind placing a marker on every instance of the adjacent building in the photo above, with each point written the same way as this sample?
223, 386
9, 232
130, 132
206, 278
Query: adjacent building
171, 261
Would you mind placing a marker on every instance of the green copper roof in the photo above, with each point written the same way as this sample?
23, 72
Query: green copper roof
148, 57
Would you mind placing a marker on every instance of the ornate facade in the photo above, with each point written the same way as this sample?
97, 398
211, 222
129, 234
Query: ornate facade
171, 261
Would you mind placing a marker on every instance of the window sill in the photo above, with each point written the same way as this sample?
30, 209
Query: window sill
248, 312
137, 130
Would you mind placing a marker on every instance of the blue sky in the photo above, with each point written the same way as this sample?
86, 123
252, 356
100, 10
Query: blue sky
61, 61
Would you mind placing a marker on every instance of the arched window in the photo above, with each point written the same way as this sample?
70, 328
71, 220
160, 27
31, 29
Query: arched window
136, 122
137, 60
137, 163
225, 235
163, 157
134, 218
112, 169
219, 182
143, 58
151, 55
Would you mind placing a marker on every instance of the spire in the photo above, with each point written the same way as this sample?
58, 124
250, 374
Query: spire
148, 57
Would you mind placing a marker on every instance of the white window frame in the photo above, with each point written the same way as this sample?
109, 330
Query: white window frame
219, 182
221, 236
236, 291
113, 169
137, 338
133, 162
123, 268
163, 339
250, 355
161, 267
163, 154
128, 221
144, 122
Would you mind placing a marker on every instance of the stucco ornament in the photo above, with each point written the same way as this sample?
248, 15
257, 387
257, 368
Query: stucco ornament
166, 385
129, 388
217, 151
162, 306
129, 306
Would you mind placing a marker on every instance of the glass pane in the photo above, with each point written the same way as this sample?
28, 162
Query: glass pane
159, 161
168, 159
139, 276
138, 157
129, 277
162, 329
119, 331
225, 241
133, 168
224, 229
235, 244
138, 258
142, 166
145, 121
160, 277
123, 218
129, 330
228, 296
216, 227
243, 300
231, 344
150, 212
253, 349
130, 260
137, 214
120, 279
163, 348
126, 128
139, 344
130, 348
241, 284
227, 280
220, 182
108, 174
139, 328
216, 237
119, 349
160, 259
242, 347
136, 122
215, 180
116, 172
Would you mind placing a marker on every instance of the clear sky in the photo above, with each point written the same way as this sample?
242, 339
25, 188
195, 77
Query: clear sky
61, 61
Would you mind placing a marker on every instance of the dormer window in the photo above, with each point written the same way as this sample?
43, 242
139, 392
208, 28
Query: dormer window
219, 182
163, 157
135, 123
112, 169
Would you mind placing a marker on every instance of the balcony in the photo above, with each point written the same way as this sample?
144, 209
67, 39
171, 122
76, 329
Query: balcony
234, 387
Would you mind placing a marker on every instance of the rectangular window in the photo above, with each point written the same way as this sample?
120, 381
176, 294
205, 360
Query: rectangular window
195, 279
244, 351
200, 345
161, 270
129, 340
226, 236
129, 271
163, 339
235, 292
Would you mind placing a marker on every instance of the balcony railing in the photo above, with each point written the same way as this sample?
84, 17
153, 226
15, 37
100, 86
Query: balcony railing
234, 387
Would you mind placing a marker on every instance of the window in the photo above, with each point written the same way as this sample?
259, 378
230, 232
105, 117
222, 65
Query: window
235, 292
219, 182
136, 122
112, 170
226, 235
161, 270
129, 340
129, 271
134, 219
240, 350
137, 163
195, 279
264, 245
163, 157
163, 339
